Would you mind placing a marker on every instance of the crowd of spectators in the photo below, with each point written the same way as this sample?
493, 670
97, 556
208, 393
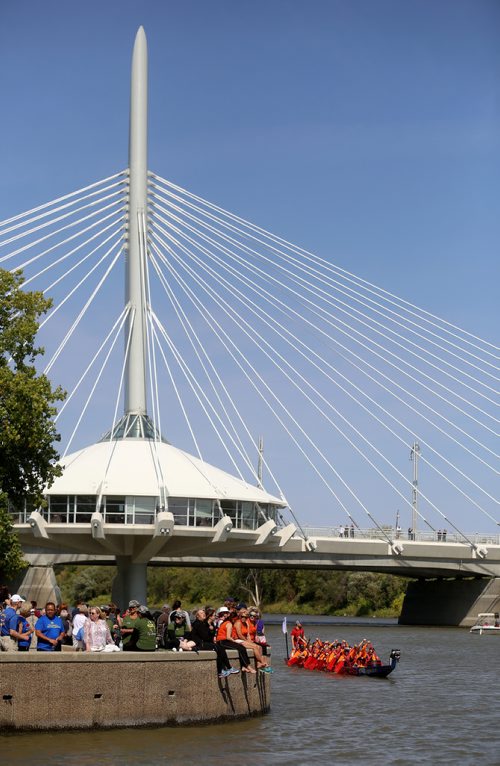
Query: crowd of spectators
23, 626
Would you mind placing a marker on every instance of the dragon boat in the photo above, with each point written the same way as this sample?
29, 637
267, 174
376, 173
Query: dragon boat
372, 669
376, 671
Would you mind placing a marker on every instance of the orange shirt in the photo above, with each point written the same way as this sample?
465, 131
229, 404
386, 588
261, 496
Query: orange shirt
243, 629
222, 630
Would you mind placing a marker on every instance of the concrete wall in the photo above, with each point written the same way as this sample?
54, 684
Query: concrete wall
83, 691
449, 602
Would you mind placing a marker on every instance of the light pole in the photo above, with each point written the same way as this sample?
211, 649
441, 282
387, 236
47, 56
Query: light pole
414, 455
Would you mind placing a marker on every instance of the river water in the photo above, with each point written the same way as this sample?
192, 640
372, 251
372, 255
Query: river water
440, 706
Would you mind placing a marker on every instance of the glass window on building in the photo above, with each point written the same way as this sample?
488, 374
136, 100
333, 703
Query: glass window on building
18, 513
58, 509
179, 507
114, 510
229, 508
204, 513
248, 515
145, 510
85, 507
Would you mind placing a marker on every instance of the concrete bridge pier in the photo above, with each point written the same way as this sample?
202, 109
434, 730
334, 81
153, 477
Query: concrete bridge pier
449, 601
38, 583
130, 582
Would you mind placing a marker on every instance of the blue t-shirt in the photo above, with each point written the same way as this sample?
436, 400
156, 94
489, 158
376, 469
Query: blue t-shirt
21, 625
51, 628
7, 615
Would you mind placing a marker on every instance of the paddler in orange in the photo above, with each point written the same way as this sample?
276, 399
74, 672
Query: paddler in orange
299, 654
311, 660
320, 664
342, 661
333, 657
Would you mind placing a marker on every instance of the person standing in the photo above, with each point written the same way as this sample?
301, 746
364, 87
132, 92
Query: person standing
297, 635
66, 620
79, 621
49, 630
20, 629
7, 643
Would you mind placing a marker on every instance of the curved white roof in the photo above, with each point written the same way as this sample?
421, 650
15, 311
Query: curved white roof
140, 466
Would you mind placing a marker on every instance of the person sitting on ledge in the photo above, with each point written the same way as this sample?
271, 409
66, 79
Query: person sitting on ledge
242, 632
203, 634
129, 623
97, 635
176, 608
224, 638
178, 634
146, 631
49, 630
257, 629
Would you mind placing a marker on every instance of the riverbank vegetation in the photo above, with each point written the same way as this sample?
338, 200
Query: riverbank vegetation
273, 590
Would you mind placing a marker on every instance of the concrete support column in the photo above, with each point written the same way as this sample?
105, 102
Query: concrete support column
38, 584
130, 582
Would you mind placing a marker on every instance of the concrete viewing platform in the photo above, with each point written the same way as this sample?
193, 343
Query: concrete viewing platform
83, 690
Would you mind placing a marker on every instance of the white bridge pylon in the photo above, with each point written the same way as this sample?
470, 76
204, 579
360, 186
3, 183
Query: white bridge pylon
231, 332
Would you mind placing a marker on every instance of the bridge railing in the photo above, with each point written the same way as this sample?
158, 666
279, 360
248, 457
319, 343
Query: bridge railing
427, 536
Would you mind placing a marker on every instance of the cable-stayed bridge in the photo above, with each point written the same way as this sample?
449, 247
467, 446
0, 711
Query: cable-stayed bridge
377, 415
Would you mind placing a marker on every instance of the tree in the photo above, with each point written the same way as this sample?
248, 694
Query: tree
250, 581
27, 431
11, 555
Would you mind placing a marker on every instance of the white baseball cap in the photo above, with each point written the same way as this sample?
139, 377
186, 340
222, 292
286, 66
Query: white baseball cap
16, 598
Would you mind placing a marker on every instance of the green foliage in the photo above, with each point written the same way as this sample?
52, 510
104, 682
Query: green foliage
90, 583
194, 586
11, 555
27, 431
309, 591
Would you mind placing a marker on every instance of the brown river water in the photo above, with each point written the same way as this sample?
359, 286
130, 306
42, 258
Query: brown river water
440, 706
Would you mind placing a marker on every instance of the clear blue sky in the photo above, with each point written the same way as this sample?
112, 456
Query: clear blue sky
366, 131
